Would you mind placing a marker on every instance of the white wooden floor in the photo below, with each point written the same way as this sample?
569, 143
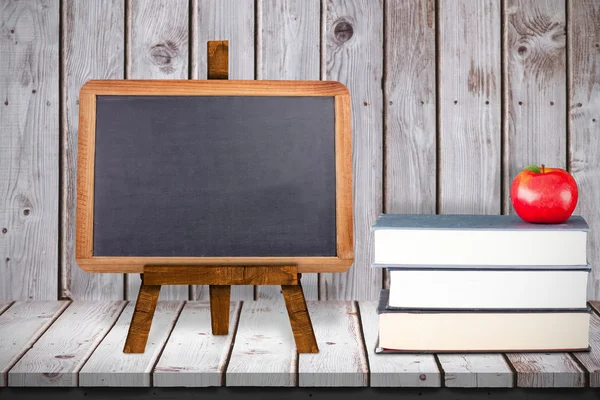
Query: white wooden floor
80, 344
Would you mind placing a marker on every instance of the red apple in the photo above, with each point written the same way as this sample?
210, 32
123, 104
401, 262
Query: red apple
544, 195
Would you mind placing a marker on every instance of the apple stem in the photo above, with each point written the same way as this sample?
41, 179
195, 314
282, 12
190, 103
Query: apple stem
542, 168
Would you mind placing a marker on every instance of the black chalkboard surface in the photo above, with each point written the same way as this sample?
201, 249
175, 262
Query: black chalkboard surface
214, 176
214, 172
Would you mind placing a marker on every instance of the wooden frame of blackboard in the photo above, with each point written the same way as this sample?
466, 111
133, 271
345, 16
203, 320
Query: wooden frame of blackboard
85, 172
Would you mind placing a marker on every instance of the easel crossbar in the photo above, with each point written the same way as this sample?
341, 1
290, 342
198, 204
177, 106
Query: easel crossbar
221, 275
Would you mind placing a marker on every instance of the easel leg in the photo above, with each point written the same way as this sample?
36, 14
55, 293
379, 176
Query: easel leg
299, 318
219, 308
142, 318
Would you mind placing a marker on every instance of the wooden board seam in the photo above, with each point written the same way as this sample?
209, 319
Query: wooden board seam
234, 329
512, 369
442, 372
179, 310
368, 352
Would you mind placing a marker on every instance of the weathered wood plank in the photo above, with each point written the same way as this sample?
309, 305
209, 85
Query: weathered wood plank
394, 370
353, 55
410, 109
56, 358
469, 144
157, 49
535, 127
341, 360
109, 366
288, 45
264, 353
93, 45
584, 121
29, 100
21, 326
546, 370
476, 370
591, 360
193, 356
469, 107
231, 20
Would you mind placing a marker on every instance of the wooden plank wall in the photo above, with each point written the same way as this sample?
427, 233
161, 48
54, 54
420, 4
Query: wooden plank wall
450, 99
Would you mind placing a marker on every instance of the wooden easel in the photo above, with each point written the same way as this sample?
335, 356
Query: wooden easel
220, 277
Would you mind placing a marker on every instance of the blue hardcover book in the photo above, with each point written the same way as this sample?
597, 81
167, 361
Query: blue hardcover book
458, 241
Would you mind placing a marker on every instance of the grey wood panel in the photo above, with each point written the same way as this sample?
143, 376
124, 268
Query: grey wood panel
469, 107
92, 48
584, 121
469, 140
410, 159
157, 48
231, 20
287, 47
535, 127
29, 146
353, 38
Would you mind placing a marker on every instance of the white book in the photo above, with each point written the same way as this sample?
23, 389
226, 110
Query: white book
488, 289
479, 240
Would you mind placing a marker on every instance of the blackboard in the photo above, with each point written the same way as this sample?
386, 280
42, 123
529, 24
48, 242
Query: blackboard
226, 176
226, 171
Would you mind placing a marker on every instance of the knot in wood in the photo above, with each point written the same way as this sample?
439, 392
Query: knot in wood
343, 31
162, 54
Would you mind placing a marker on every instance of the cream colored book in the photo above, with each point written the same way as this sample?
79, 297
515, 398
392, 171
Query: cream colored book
481, 331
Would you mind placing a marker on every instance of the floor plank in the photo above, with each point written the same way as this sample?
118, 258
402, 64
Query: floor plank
476, 370
341, 360
21, 326
264, 353
546, 370
109, 366
591, 360
193, 356
56, 358
395, 370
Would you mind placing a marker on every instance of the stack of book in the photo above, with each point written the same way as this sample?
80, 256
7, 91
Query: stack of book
481, 283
